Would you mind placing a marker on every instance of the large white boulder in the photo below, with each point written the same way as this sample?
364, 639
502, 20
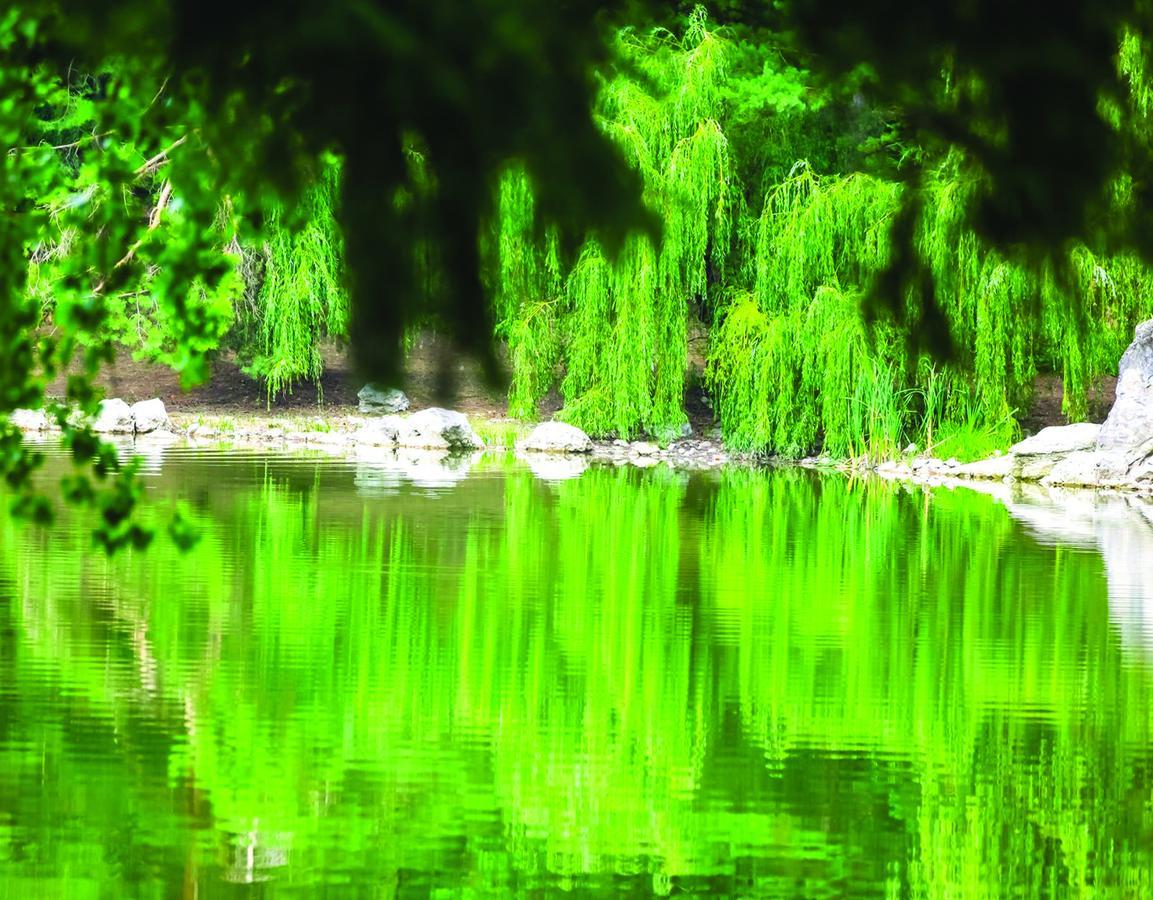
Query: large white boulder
149, 416
114, 417
29, 419
439, 429
557, 437
1037, 456
1059, 439
1126, 438
1078, 469
382, 432
994, 468
381, 401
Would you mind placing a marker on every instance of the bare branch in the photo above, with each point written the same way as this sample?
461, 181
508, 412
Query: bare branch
160, 158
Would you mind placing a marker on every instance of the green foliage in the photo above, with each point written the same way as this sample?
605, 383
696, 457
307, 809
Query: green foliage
527, 294
1043, 139
93, 235
159, 188
124, 129
795, 370
300, 296
618, 332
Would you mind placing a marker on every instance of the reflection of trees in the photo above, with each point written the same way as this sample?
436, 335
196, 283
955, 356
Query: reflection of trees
738, 683
1119, 527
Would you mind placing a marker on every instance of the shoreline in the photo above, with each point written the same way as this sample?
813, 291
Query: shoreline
360, 435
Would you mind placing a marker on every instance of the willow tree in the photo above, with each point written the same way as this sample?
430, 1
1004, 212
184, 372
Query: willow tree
296, 295
796, 368
613, 328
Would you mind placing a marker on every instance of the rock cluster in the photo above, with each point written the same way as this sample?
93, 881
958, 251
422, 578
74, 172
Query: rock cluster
114, 417
684, 454
558, 438
429, 429
1117, 454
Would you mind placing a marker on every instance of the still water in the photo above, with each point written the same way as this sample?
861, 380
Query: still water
374, 679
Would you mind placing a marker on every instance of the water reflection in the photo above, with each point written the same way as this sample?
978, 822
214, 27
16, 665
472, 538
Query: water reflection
382, 471
1117, 526
732, 683
554, 466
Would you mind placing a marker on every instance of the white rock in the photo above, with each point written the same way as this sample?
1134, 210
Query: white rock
1078, 469
994, 468
1059, 439
114, 417
439, 429
1126, 438
374, 400
557, 437
1036, 467
1037, 456
29, 419
149, 415
643, 448
382, 432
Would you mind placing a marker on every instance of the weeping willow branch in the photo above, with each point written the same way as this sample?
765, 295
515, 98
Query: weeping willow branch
617, 329
153, 222
794, 370
300, 296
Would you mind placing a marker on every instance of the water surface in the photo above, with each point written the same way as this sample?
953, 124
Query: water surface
384, 679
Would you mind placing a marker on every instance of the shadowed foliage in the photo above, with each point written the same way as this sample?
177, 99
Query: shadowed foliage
152, 148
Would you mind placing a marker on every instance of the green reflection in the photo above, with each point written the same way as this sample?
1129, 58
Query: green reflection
748, 683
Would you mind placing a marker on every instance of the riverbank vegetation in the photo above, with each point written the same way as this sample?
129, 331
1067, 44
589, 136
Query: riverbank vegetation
833, 246
775, 215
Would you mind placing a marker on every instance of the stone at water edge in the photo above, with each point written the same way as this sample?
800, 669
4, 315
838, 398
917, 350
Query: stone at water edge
30, 419
994, 468
382, 432
381, 401
557, 437
1037, 456
114, 417
643, 448
1078, 469
1058, 439
1126, 438
439, 429
149, 416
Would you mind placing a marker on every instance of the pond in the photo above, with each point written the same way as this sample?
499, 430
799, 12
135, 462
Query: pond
376, 679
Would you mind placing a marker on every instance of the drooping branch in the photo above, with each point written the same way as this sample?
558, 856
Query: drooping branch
153, 223
160, 158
